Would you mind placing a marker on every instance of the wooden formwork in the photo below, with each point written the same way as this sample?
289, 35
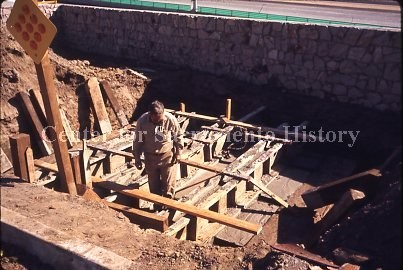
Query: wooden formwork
220, 178
226, 187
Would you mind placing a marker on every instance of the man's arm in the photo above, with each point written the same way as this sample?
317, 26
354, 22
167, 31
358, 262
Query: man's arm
138, 144
177, 137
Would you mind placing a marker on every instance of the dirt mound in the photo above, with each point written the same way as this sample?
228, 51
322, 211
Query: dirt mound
18, 74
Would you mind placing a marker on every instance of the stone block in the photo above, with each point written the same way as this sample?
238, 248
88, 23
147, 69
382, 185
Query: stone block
339, 90
257, 27
373, 98
338, 50
352, 36
365, 38
355, 93
318, 63
324, 33
356, 53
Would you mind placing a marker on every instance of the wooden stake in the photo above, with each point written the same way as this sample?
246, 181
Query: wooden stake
228, 114
49, 93
183, 107
75, 161
29, 157
19, 145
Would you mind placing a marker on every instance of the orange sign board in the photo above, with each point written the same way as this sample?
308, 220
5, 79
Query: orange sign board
31, 28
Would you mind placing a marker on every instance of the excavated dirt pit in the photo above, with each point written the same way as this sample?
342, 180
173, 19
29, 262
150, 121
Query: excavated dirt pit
206, 94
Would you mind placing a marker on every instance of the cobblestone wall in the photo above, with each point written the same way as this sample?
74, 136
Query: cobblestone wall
359, 66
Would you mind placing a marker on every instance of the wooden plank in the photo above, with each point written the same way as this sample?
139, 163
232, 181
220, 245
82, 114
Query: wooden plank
85, 157
45, 165
189, 209
338, 209
5, 163
71, 137
228, 109
29, 157
19, 145
258, 212
112, 151
304, 254
37, 101
75, 161
177, 227
253, 135
44, 71
100, 113
276, 131
38, 131
257, 183
143, 218
120, 114
328, 193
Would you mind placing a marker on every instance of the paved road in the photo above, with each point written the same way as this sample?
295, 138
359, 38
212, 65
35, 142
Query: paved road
389, 17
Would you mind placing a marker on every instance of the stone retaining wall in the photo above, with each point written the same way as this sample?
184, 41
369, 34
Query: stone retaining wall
359, 66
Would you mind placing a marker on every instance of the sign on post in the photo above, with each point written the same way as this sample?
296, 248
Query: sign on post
34, 32
31, 28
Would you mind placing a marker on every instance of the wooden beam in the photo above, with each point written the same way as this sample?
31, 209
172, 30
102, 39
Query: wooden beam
45, 165
252, 135
120, 114
112, 151
100, 113
189, 209
335, 213
305, 254
44, 71
37, 101
71, 137
150, 220
86, 169
276, 131
329, 193
29, 157
19, 145
37, 128
5, 163
75, 161
257, 183
228, 109
182, 107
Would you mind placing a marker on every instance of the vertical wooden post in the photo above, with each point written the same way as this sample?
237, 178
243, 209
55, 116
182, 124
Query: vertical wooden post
29, 157
228, 113
19, 145
183, 107
49, 95
75, 161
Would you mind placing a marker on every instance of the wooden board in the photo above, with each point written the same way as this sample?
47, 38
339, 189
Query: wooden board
149, 220
37, 101
330, 192
189, 209
305, 254
120, 115
38, 130
258, 213
5, 163
71, 137
100, 113
18, 145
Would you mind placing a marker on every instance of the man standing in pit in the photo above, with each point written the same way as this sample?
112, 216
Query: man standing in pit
158, 137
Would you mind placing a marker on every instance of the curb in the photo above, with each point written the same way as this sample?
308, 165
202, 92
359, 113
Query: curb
56, 248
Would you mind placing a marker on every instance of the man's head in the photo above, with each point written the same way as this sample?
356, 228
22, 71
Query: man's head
156, 110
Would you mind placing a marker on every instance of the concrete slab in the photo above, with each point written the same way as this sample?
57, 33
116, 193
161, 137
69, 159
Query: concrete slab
56, 248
